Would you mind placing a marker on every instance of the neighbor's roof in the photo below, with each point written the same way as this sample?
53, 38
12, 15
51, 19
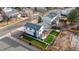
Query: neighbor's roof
7, 9
46, 19
50, 17
32, 26
52, 14
10, 12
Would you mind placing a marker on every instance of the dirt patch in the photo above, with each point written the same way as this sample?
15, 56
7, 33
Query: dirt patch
62, 42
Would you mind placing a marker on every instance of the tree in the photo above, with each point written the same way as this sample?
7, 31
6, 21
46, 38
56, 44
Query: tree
0, 9
72, 15
35, 9
49, 8
39, 19
77, 8
7, 20
18, 8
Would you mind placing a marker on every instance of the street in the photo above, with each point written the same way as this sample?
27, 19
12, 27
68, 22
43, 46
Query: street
9, 43
8, 29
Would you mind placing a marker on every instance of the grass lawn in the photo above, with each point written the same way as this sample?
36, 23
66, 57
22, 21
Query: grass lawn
53, 33
35, 42
50, 37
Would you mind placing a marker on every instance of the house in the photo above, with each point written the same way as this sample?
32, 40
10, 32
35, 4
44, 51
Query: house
34, 30
39, 9
51, 18
10, 12
27, 12
75, 42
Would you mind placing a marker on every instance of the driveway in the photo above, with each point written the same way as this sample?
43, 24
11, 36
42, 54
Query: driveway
17, 33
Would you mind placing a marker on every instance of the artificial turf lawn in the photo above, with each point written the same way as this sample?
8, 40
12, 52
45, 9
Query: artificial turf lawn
35, 42
50, 37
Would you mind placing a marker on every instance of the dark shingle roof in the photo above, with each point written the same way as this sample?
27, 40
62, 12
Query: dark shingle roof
32, 26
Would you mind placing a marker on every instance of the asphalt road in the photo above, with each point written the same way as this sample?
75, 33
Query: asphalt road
7, 44
9, 28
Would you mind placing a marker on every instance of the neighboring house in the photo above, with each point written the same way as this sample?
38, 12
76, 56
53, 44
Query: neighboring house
34, 30
28, 12
41, 9
66, 11
75, 42
51, 18
10, 12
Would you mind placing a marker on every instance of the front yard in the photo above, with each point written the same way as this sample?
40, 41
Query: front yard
35, 42
50, 37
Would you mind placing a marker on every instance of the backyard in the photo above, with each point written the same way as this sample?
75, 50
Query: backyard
50, 37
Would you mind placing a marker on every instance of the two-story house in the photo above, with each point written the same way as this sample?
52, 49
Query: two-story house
34, 30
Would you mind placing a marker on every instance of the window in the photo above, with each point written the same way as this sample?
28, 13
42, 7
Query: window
28, 29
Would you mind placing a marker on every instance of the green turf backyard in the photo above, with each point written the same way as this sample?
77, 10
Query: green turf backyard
35, 42
50, 37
